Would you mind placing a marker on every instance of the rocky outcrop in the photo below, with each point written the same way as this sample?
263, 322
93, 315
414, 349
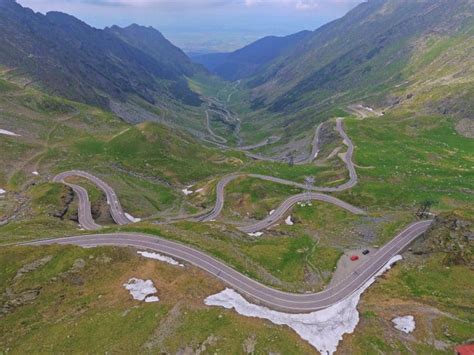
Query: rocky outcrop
452, 236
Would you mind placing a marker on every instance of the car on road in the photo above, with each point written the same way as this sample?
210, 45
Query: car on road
366, 251
354, 258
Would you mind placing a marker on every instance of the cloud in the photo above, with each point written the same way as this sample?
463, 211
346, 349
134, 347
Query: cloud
159, 4
303, 5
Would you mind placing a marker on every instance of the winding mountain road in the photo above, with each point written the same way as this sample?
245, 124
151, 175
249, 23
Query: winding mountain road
315, 145
273, 298
353, 180
219, 139
116, 210
120, 217
280, 212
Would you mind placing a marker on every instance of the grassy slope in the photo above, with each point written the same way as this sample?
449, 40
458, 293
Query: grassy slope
439, 297
160, 161
88, 310
440, 75
57, 135
422, 157
405, 160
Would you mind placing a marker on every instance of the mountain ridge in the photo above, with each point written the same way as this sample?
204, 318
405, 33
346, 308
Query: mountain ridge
367, 49
67, 57
246, 61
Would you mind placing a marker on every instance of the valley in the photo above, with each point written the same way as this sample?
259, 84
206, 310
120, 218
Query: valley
261, 173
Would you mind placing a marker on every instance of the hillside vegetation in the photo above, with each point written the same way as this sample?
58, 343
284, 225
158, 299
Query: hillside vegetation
411, 60
67, 57
363, 54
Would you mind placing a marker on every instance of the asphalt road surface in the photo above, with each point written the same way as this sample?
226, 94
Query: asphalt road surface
115, 207
120, 218
280, 212
353, 180
257, 292
265, 295
219, 139
316, 143
86, 221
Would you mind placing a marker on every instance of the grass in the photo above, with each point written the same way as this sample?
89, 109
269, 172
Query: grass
254, 198
290, 258
324, 175
267, 259
6, 86
47, 197
440, 299
403, 160
425, 160
88, 310
155, 150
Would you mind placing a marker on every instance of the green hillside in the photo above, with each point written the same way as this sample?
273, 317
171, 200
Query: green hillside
392, 55
399, 72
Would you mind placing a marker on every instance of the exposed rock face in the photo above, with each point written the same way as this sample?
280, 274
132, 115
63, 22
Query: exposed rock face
249, 345
66, 200
210, 341
452, 236
32, 266
465, 127
12, 299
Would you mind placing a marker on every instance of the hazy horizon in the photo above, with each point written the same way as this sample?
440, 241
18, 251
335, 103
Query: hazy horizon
204, 25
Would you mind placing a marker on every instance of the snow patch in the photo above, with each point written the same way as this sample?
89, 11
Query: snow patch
289, 221
160, 257
35, 173
322, 329
186, 191
142, 290
2, 191
256, 234
151, 299
8, 133
199, 190
132, 219
405, 324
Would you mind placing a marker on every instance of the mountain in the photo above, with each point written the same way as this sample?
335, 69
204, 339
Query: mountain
247, 61
152, 42
69, 58
369, 53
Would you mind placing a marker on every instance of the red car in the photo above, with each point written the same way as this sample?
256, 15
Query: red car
354, 258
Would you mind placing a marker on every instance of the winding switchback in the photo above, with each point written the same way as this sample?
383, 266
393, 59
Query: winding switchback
120, 217
115, 207
273, 298
265, 295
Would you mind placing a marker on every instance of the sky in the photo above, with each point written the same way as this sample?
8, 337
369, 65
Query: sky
204, 25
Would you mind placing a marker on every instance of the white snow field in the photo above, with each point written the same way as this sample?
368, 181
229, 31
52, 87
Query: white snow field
322, 329
160, 257
186, 191
404, 324
142, 290
132, 219
8, 133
